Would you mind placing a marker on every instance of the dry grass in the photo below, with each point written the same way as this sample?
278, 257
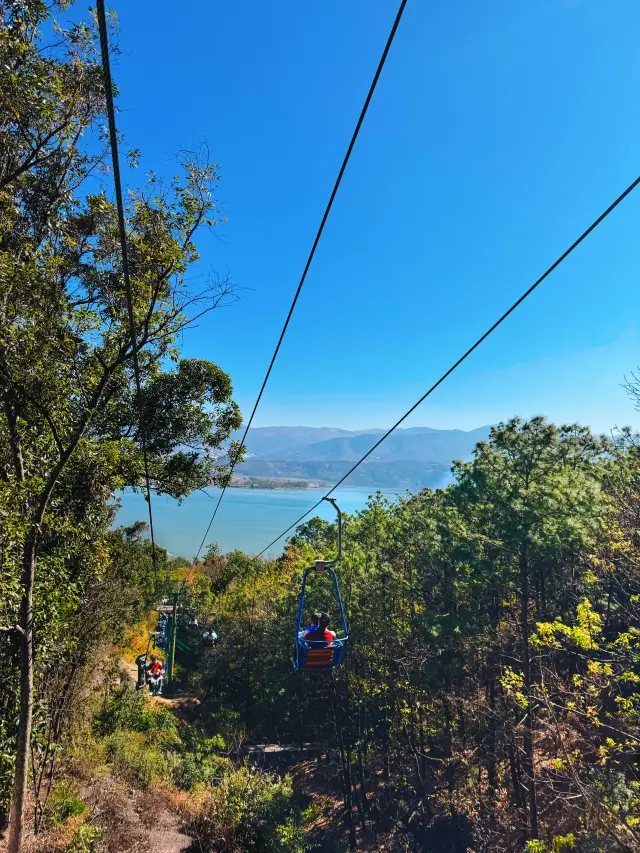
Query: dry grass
137, 638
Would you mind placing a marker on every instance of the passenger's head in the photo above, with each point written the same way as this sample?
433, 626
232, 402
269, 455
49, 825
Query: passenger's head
315, 618
154, 658
323, 620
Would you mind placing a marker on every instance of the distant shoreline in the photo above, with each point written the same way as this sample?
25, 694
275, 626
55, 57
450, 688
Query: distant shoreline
275, 483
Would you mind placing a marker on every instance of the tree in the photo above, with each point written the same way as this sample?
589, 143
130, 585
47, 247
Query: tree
489, 690
71, 430
535, 487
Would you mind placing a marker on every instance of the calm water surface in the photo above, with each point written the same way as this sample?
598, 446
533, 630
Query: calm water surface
248, 519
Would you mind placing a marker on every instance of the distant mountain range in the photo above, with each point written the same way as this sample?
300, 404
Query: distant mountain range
409, 459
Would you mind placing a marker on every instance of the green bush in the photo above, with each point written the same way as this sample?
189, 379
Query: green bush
62, 804
125, 709
250, 810
85, 839
197, 760
193, 770
140, 763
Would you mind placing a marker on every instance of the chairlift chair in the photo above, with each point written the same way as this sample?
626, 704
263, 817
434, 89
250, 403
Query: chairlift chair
210, 635
316, 655
142, 660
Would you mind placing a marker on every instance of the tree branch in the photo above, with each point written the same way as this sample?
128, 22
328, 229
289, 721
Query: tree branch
12, 628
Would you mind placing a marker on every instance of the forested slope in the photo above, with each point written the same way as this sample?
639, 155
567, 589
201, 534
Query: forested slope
489, 696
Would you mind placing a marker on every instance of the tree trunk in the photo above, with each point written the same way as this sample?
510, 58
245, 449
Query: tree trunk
423, 746
492, 775
526, 672
363, 787
299, 717
349, 794
25, 623
516, 780
412, 732
462, 724
448, 729
16, 826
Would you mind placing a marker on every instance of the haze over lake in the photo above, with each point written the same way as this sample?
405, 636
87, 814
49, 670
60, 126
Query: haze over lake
248, 519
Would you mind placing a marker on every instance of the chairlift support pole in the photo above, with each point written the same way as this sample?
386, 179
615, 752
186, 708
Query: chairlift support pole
321, 565
172, 638
333, 503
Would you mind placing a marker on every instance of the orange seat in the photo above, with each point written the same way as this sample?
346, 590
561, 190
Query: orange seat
319, 657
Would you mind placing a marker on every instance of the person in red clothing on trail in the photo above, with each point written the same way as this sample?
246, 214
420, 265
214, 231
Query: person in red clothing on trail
155, 672
320, 632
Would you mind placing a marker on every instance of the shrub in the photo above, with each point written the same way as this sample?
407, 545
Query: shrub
85, 839
198, 760
249, 810
63, 803
89, 752
558, 844
125, 709
132, 757
193, 770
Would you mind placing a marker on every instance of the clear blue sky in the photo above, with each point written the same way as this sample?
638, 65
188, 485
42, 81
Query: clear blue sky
498, 132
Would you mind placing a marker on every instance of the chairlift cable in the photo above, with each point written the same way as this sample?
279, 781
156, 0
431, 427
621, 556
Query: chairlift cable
471, 349
332, 197
113, 141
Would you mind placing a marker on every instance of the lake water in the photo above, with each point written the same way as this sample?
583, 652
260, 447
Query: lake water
248, 519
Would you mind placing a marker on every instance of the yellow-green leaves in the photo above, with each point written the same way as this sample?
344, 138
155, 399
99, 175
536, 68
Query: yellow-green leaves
513, 685
583, 634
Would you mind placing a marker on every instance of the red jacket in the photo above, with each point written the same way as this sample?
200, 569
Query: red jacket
316, 635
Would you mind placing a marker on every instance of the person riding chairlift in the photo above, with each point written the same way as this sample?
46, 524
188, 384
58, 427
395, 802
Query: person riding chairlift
315, 618
319, 632
209, 637
155, 673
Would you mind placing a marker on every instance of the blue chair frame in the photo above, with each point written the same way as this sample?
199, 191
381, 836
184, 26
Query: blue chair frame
316, 655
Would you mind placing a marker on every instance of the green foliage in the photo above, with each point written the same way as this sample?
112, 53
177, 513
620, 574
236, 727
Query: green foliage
85, 839
242, 808
250, 810
135, 759
70, 429
64, 802
558, 844
126, 710
135, 735
198, 762
535, 539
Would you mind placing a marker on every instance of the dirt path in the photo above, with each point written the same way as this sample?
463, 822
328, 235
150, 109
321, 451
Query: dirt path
164, 832
131, 669
166, 836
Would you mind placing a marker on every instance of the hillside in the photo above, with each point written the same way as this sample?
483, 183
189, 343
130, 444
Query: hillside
478, 725
409, 458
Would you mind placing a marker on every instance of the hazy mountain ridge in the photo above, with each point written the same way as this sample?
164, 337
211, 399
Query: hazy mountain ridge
409, 459
263, 441
433, 446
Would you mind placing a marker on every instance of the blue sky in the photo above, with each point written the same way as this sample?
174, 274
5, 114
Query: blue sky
498, 132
